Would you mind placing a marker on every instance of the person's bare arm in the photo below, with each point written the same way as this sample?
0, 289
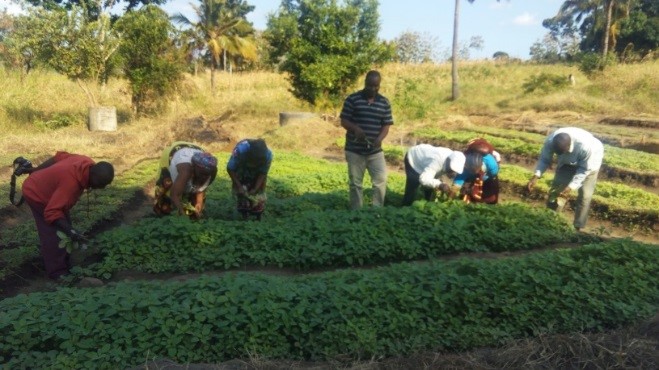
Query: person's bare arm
259, 184
238, 187
178, 187
199, 203
351, 127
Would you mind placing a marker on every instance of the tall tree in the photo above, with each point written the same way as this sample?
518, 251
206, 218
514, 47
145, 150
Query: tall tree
639, 33
222, 25
329, 45
70, 43
92, 8
597, 22
415, 47
150, 60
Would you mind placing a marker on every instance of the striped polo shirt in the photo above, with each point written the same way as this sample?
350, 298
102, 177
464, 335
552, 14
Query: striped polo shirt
371, 117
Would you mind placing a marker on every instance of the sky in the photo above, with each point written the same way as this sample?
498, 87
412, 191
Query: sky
511, 26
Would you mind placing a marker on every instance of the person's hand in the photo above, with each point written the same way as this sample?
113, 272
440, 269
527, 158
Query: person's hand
531, 183
565, 193
241, 191
445, 188
465, 189
377, 143
77, 237
359, 133
198, 208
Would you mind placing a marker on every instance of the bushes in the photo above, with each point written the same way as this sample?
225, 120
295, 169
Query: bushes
387, 311
545, 83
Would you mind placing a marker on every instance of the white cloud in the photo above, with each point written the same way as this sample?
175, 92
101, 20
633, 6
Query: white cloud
526, 19
10, 6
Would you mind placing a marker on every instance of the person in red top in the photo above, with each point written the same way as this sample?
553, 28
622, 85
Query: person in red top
51, 190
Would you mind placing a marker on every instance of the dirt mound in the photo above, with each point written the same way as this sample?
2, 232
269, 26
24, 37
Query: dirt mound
203, 130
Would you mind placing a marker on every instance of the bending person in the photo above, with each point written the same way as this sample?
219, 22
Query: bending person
479, 182
51, 190
186, 171
248, 168
579, 155
424, 163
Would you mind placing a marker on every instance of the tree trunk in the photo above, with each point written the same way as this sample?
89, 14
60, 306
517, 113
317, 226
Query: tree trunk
90, 95
607, 29
454, 69
212, 78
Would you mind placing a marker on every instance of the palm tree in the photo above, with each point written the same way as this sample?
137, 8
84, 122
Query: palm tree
217, 25
594, 15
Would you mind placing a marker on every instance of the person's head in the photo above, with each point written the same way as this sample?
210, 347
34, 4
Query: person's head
257, 155
101, 175
204, 165
372, 83
561, 143
455, 164
473, 161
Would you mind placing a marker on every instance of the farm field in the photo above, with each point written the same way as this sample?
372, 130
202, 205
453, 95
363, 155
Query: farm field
436, 284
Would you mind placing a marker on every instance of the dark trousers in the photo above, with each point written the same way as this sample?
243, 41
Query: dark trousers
56, 259
412, 185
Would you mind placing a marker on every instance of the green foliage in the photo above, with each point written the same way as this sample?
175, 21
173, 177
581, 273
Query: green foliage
150, 61
409, 99
416, 47
330, 48
592, 63
387, 311
68, 42
640, 31
221, 30
56, 122
315, 239
587, 21
93, 9
545, 83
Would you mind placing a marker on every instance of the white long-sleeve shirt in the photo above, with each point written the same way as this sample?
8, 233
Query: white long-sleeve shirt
586, 152
429, 161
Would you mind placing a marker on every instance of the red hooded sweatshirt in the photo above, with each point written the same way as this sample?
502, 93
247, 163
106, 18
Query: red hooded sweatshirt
58, 188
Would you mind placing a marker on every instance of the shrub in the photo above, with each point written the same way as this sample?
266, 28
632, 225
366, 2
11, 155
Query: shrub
545, 83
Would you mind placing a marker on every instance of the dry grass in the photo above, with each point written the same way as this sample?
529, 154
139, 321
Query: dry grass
248, 105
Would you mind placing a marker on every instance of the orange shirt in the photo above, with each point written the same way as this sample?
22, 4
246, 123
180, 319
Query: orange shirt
59, 187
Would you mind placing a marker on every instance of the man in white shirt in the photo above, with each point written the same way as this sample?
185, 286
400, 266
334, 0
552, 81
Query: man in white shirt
424, 163
579, 156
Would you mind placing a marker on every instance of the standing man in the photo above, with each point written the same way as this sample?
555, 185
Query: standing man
366, 116
51, 190
579, 156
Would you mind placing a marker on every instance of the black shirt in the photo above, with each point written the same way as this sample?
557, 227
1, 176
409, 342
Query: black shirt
370, 117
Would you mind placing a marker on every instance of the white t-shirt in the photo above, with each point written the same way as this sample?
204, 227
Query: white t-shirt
184, 155
429, 162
